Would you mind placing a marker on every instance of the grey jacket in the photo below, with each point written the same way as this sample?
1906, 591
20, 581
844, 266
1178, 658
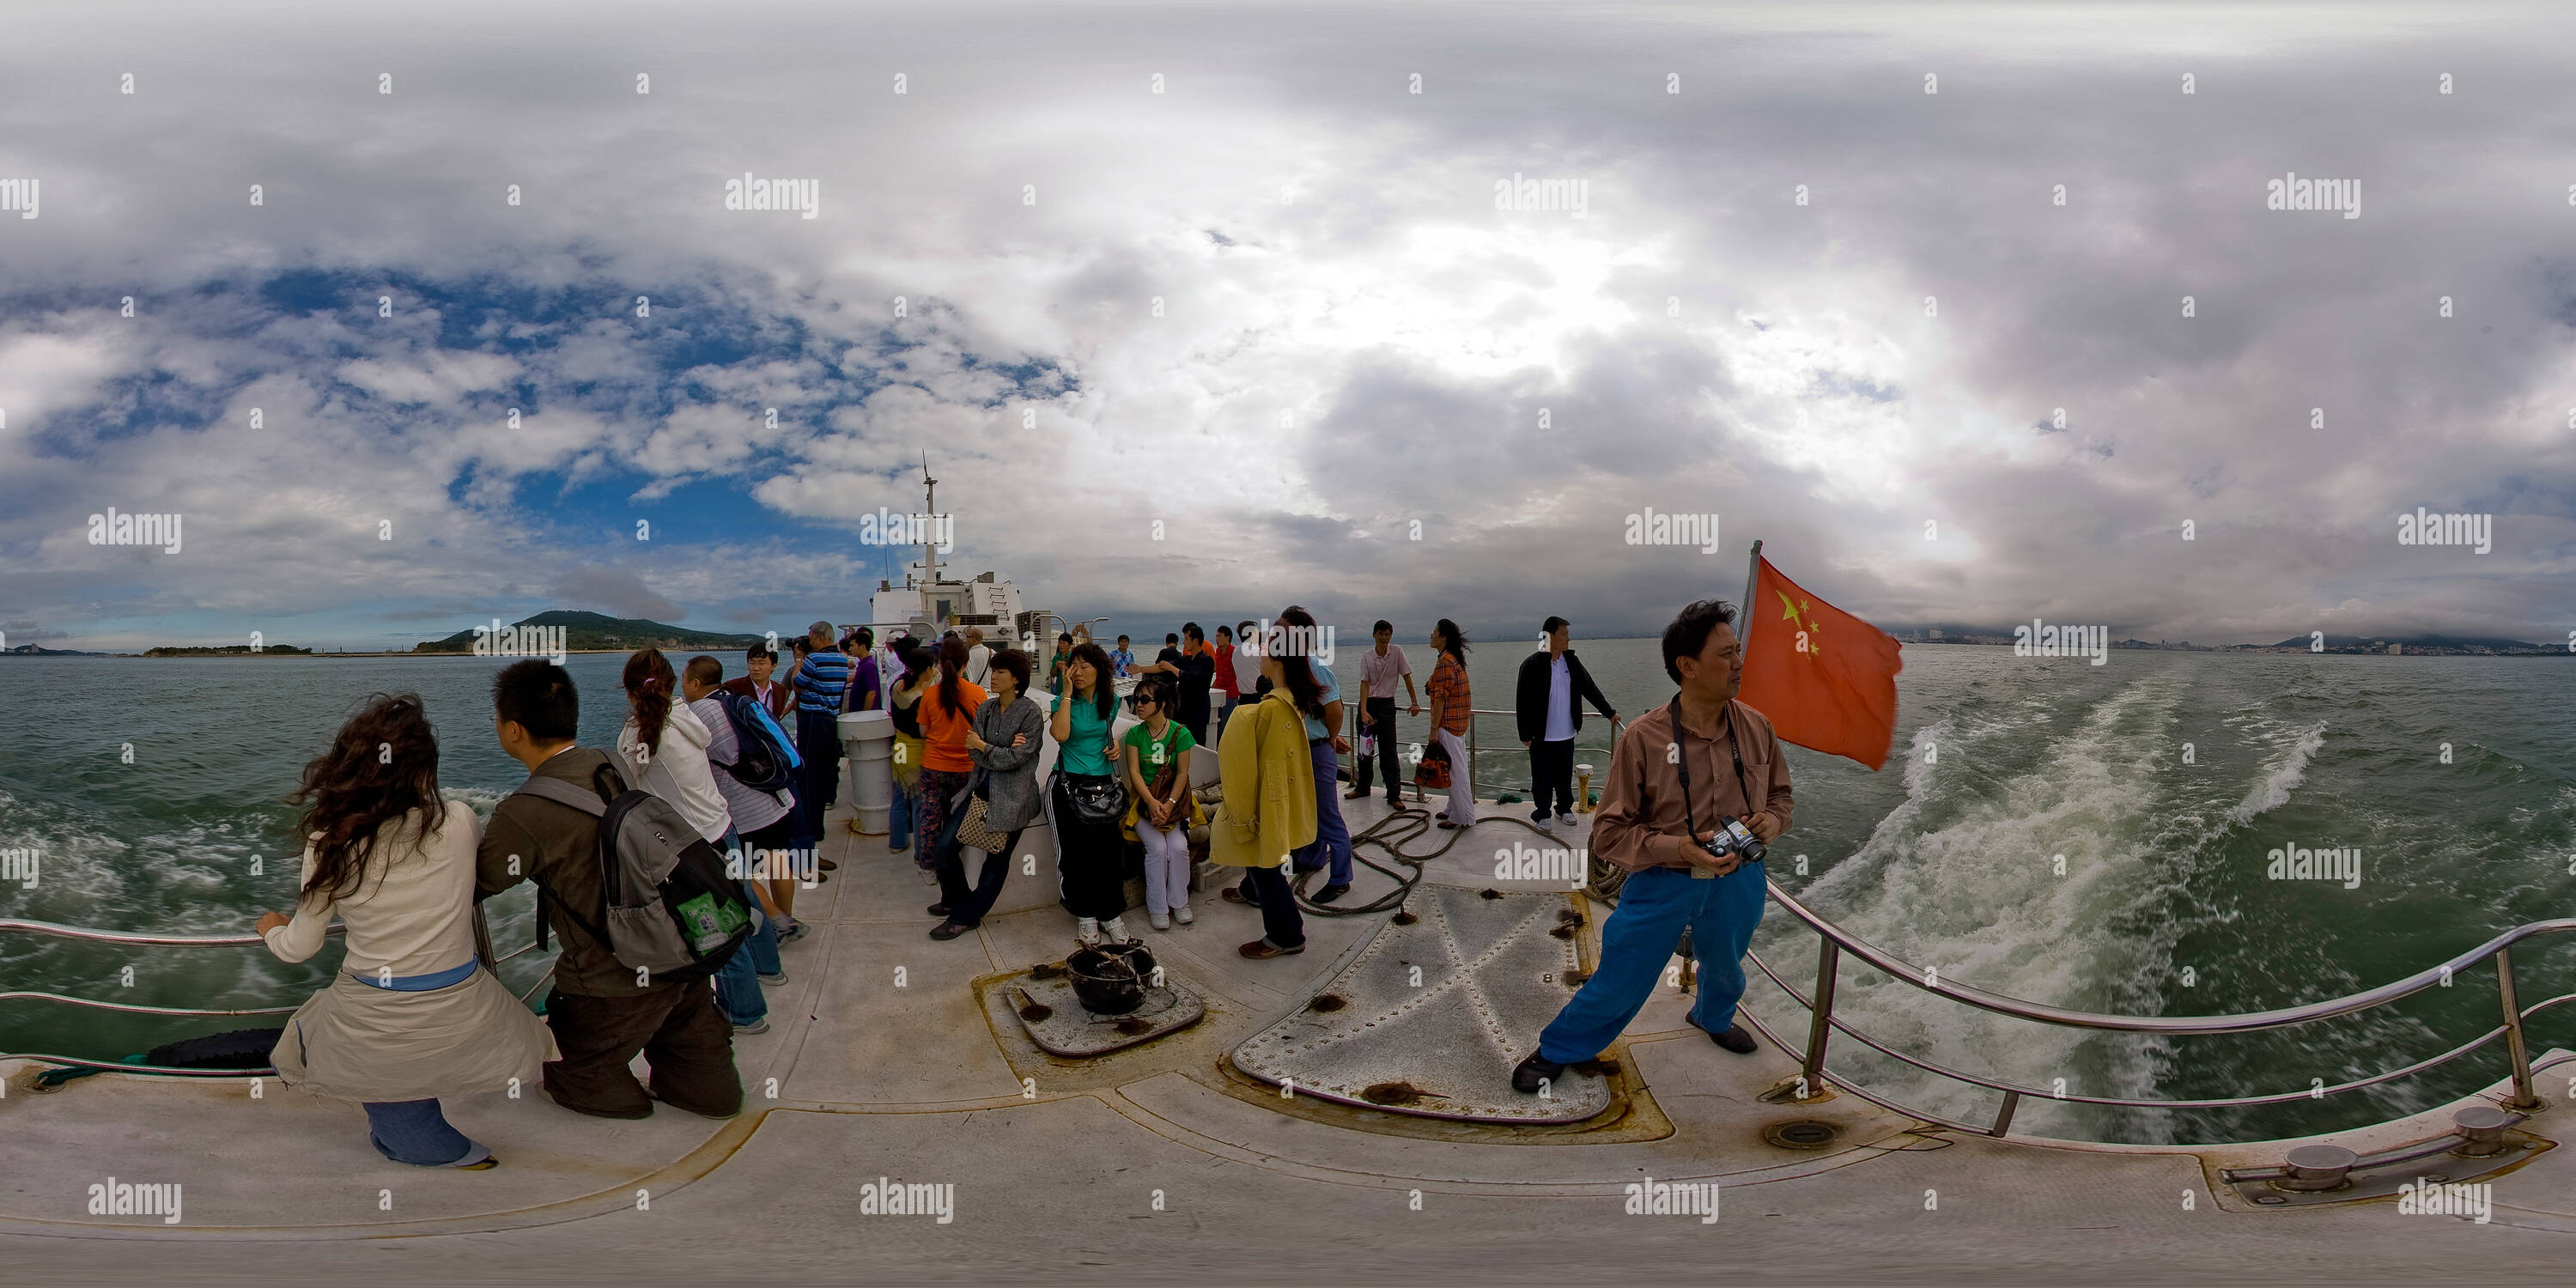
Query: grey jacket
1012, 783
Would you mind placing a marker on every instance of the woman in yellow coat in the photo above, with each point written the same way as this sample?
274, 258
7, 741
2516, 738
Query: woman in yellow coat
1269, 807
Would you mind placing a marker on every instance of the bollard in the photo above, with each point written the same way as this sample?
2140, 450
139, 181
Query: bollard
2483, 1126
2317, 1168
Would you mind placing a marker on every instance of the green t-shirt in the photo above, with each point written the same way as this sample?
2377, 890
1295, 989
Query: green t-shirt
1081, 754
1153, 753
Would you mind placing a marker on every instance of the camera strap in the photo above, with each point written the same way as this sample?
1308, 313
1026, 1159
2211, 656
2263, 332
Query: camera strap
1681, 762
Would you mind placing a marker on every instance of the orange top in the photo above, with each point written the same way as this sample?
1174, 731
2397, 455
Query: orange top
943, 732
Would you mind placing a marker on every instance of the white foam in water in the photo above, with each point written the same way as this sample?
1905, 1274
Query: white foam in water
480, 799
2281, 777
1961, 879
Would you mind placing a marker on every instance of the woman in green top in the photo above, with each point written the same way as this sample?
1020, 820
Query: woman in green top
1162, 819
1087, 854
1056, 665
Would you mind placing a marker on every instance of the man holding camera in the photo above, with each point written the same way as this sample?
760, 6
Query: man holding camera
1697, 787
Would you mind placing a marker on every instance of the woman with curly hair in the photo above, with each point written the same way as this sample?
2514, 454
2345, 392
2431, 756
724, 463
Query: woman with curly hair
412, 1015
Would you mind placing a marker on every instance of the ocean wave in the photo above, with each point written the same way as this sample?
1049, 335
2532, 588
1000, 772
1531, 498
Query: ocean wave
1962, 876
2280, 777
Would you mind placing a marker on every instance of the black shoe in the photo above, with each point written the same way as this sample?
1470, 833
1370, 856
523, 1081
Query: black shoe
1330, 892
938, 910
1735, 1039
1535, 1071
949, 930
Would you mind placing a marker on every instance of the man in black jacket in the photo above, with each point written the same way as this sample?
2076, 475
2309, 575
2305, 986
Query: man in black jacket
1553, 688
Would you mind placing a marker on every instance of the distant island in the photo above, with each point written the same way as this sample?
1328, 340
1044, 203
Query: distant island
598, 632
2409, 646
227, 650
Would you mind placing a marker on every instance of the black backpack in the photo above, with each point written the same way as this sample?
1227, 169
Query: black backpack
764, 759
670, 909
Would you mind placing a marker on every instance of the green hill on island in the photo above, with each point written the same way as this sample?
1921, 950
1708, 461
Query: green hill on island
600, 631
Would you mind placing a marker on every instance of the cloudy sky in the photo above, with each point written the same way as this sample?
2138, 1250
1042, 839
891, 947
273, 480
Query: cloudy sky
1274, 306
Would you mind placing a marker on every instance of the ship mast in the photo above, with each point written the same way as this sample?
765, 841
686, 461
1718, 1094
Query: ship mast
930, 512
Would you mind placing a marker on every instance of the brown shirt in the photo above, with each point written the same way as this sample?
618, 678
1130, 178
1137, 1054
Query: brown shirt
557, 845
1640, 824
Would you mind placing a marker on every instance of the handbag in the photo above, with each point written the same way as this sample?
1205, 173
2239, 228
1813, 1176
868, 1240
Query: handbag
1432, 771
1098, 799
974, 828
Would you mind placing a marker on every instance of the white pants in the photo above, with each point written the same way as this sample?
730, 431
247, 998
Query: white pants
1462, 790
1167, 866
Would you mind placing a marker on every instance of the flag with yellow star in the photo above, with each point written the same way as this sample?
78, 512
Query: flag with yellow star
1826, 679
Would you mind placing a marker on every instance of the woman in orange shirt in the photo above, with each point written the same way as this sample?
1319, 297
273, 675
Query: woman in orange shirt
947, 712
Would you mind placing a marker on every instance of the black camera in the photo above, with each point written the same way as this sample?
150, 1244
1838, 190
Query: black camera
1733, 837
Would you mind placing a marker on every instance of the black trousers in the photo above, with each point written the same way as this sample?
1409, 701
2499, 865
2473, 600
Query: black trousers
685, 1040
1381, 722
1092, 857
968, 904
818, 780
1552, 775
1281, 923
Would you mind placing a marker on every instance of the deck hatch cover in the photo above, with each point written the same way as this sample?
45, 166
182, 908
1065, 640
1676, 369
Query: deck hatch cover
1492, 974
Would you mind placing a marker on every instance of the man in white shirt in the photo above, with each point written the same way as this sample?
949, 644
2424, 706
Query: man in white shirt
1553, 686
979, 659
1380, 668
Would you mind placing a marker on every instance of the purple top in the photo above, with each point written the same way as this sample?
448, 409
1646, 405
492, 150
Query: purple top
863, 685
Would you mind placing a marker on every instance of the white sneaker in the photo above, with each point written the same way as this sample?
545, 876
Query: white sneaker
1115, 929
1565, 818
1086, 931
1182, 915
1158, 921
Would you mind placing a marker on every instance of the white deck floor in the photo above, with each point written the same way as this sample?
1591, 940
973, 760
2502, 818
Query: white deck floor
882, 1063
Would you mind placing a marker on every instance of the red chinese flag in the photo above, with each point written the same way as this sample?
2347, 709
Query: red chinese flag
1826, 678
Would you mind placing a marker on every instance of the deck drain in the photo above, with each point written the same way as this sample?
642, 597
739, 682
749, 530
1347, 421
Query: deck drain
1802, 1133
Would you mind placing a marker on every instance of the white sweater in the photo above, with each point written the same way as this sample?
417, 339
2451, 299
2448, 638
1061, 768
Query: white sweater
678, 773
413, 910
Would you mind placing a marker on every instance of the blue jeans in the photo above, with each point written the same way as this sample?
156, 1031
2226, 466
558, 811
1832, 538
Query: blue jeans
900, 828
1332, 836
415, 1132
738, 980
1640, 938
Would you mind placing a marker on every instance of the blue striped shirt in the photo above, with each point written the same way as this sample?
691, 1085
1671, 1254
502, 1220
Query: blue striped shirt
819, 681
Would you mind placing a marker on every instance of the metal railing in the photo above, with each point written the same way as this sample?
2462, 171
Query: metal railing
87, 934
1353, 717
1814, 1074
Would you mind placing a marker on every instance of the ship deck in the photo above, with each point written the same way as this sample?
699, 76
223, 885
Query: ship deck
1161, 1163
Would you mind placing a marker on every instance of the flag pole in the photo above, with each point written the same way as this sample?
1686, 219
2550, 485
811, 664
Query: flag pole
1744, 611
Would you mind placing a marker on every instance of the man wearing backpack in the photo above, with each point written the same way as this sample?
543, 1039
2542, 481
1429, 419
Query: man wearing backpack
602, 1016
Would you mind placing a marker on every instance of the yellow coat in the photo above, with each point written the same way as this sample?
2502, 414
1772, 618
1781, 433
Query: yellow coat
1269, 777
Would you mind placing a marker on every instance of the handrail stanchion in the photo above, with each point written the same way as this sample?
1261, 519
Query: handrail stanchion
1820, 1025
2523, 1099
2004, 1116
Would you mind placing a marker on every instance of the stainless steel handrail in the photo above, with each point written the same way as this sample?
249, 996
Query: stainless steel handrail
97, 1005
1352, 716
87, 934
2169, 1024
1835, 941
